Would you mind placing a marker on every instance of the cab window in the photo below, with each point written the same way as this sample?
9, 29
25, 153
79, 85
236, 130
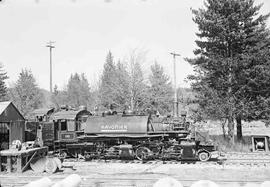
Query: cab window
63, 125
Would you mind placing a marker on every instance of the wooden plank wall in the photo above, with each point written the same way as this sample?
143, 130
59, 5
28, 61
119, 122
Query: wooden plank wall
16, 131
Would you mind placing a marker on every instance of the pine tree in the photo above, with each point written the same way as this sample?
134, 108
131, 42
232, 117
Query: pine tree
26, 94
160, 90
78, 90
231, 53
108, 83
122, 86
85, 90
3, 88
59, 97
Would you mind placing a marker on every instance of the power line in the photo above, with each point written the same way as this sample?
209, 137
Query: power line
175, 106
50, 46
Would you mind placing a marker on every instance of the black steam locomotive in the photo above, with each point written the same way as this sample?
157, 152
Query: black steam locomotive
78, 133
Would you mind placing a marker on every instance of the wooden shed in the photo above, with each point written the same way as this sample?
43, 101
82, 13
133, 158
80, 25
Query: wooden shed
12, 124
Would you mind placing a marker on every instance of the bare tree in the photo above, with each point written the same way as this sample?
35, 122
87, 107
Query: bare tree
137, 85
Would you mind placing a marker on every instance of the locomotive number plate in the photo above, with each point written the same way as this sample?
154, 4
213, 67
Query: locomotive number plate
67, 136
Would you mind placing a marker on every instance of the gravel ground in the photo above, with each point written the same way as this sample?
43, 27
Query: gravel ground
138, 174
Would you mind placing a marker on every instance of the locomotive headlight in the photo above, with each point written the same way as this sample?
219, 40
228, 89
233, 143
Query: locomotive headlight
260, 145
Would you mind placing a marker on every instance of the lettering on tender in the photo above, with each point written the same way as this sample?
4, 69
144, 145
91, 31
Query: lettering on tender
114, 128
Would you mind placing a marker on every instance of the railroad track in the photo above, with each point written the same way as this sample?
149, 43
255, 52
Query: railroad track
247, 155
231, 159
224, 164
247, 159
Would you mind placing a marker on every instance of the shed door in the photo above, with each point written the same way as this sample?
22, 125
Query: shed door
16, 131
4, 136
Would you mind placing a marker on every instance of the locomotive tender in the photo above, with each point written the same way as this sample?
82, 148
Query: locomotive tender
124, 136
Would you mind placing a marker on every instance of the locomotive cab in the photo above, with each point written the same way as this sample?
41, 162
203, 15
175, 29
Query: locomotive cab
68, 123
64, 130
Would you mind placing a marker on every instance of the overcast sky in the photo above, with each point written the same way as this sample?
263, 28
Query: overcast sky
85, 30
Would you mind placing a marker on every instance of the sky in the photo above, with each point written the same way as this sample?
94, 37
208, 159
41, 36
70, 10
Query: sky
84, 31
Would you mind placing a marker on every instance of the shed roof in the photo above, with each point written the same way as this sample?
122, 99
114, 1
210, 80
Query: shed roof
69, 114
3, 106
8, 112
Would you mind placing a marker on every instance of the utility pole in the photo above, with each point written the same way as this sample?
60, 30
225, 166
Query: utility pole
50, 46
175, 104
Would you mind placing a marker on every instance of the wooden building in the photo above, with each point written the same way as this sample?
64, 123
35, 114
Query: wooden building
12, 124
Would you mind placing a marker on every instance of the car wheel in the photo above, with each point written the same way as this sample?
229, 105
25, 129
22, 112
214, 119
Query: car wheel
204, 156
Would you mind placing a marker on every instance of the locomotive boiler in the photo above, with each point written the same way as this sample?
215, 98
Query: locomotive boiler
115, 136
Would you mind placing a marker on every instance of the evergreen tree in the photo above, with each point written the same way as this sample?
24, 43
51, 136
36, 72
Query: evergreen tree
160, 90
55, 97
3, 88
26, 94
78, 90
108, 83
55, 90
122, 86
232, 51
59, 97
85, 90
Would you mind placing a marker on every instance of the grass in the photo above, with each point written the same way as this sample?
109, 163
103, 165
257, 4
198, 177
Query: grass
225, 146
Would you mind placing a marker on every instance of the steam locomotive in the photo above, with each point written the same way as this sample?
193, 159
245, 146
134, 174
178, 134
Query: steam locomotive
122, 136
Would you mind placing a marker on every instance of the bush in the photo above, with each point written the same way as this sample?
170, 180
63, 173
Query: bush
225, 146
